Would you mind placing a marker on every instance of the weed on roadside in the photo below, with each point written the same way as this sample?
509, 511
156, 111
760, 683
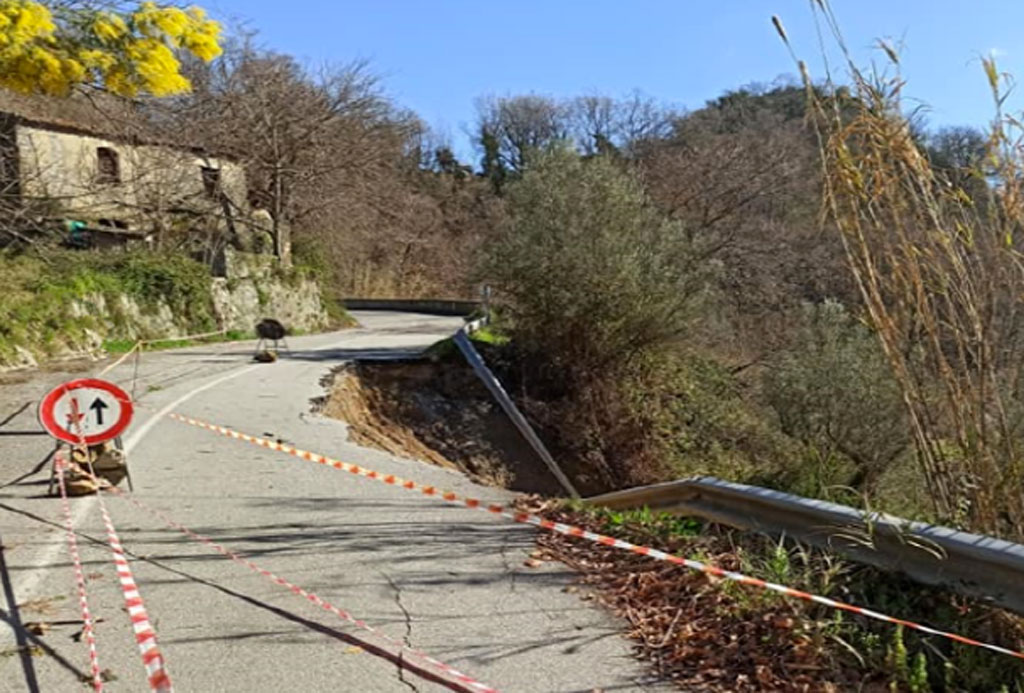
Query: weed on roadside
713, 634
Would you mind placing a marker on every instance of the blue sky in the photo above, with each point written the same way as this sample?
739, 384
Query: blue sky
436, 57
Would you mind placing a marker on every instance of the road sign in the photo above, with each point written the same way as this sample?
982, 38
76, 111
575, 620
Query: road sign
86, 410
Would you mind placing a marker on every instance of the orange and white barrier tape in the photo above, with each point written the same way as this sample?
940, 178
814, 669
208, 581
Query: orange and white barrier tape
118, 362
572, 531
88, 631
322, 603
184, 338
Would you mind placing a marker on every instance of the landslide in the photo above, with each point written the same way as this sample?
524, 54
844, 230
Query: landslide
436, 411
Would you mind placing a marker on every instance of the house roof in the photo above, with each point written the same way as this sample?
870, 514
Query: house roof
95, 114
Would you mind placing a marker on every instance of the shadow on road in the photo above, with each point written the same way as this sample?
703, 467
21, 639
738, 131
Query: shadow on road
23, 637
429, 547
311, 355
12, 617
395, 658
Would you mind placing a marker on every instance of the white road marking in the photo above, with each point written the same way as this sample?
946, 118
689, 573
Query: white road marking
26, 586
137, 435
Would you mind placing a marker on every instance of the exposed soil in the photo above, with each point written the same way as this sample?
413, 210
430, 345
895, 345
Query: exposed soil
692, 630
438, 412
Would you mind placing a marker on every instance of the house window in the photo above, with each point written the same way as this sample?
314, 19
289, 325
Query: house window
108, 169
211, 181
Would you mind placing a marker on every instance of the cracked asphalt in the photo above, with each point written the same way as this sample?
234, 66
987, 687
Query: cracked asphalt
445, 580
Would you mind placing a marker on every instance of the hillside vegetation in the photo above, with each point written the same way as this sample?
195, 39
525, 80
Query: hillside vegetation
74, 301
797, 285
746, 289
677, 306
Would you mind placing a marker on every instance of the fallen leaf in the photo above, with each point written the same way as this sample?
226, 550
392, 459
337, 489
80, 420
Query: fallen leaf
38, 627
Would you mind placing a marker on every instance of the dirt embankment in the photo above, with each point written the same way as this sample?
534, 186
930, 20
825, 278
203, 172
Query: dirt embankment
438, 412
695, 631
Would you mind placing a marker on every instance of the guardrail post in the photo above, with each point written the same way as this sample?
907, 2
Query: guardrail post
484, 373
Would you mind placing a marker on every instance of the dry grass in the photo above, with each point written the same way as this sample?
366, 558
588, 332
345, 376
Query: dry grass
940, 270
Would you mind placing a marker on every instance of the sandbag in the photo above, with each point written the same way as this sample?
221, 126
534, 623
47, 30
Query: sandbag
108, 464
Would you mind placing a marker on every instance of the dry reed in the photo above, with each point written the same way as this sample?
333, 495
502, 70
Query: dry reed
941, 274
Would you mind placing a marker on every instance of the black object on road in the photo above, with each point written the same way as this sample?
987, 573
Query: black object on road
270, 330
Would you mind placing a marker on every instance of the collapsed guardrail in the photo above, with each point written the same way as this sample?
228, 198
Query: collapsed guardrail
465, 345
971, 564
979, 566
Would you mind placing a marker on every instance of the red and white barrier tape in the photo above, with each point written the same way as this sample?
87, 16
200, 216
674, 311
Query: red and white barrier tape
156, 671
572, 531
83, 601
145, 637
322, 603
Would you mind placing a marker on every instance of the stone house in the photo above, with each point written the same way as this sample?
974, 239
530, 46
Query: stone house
74, 168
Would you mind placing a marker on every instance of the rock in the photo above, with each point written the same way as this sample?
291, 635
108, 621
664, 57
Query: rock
93, 340
23, 358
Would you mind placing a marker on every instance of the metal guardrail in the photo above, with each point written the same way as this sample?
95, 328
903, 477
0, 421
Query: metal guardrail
433, 306
983, 567
979, 566
465, 345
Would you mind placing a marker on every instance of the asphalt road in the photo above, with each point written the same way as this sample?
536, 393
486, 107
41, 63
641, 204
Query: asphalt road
448, 581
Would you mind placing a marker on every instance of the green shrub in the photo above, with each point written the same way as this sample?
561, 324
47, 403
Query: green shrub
309, 256
834, 391
181, 283
705, 424
592, 283
587, 273
34, 308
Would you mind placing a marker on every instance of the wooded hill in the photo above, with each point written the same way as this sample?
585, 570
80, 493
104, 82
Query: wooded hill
679, 294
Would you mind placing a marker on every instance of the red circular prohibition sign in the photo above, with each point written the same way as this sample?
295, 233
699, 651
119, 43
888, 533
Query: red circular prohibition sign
47, 411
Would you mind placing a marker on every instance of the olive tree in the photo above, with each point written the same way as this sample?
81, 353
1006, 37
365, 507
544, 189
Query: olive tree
587, 271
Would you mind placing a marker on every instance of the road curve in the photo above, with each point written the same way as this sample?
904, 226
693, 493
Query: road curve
448, 581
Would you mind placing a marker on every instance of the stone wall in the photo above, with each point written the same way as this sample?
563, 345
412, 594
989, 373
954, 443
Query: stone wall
254, 288
239, 302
